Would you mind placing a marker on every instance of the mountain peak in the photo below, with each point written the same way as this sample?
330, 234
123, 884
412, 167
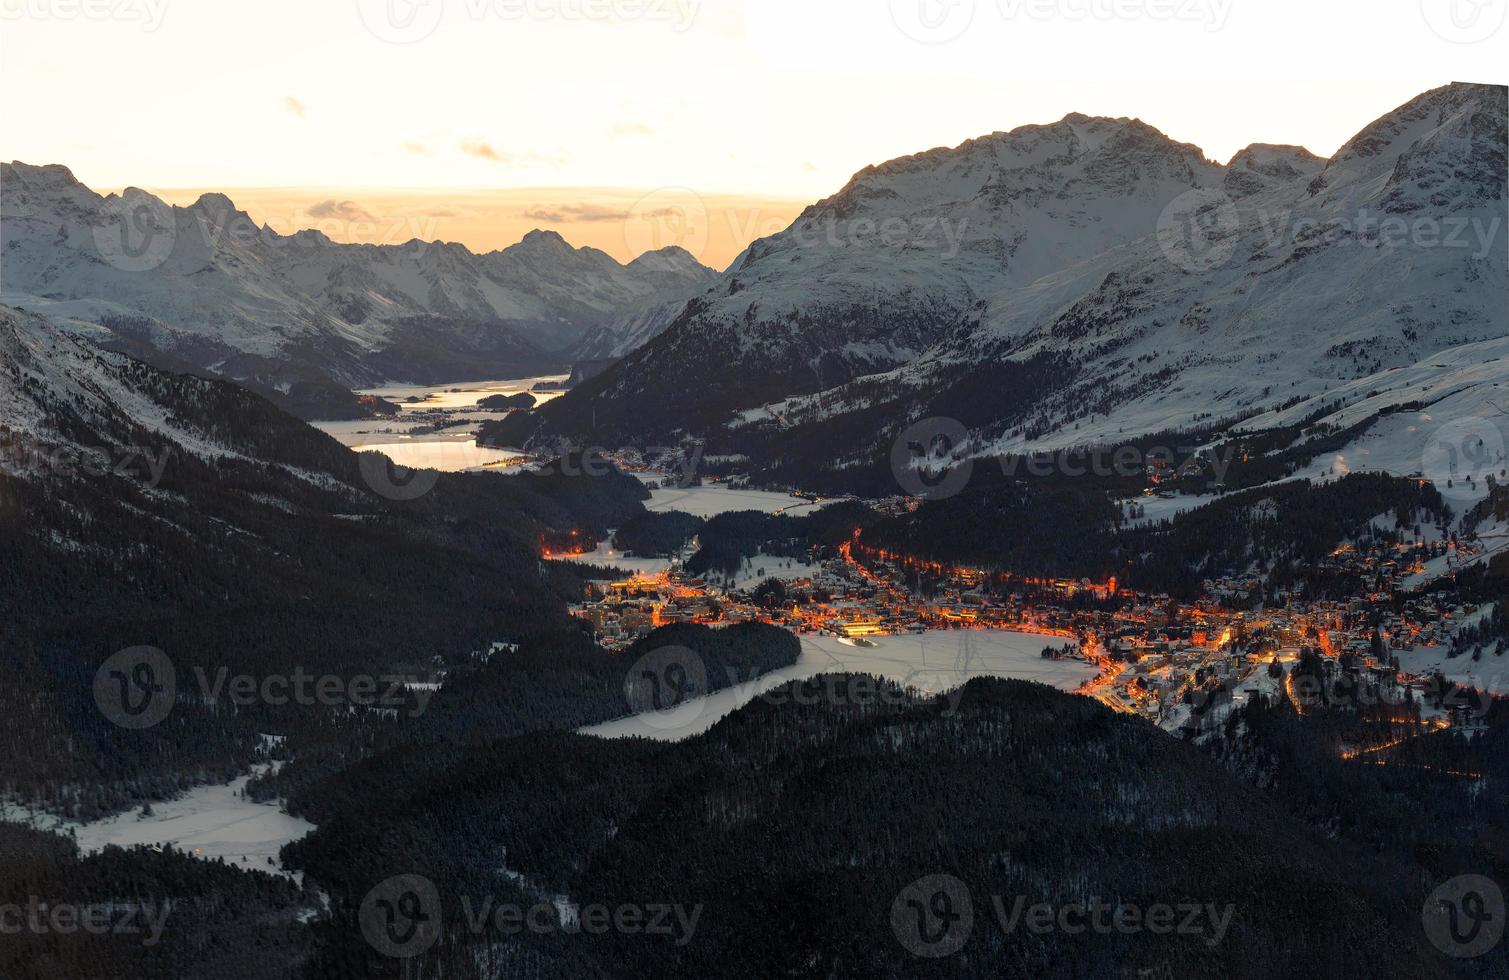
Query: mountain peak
672, 258
215, 203
44, 174
540, 238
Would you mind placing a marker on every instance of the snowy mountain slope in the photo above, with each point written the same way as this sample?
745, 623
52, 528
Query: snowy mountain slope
1121, 283
638, 325
62, 397
1445, 418
903, 256
208, 287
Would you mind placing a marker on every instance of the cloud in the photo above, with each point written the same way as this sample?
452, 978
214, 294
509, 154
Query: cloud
632, 129
556, 214
416, 147
483, 151
341, 210
294, 106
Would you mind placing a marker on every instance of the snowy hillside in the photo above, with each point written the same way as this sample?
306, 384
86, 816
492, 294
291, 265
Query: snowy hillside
205, 286
1085, 282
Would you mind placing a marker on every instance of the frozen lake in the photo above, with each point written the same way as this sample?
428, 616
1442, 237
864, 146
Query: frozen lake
934, 662
453, 456
452, 449
465, 394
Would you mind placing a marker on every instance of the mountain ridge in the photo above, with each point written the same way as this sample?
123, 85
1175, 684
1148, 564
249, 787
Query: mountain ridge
208, 286
1144, 287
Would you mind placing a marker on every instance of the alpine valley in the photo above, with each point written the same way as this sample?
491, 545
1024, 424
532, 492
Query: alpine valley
1058, 556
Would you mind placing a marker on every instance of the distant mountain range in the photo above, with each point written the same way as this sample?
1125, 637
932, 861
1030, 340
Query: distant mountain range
1079, 283
301, 317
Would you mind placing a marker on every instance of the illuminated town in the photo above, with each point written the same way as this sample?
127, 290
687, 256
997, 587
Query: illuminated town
1183, 666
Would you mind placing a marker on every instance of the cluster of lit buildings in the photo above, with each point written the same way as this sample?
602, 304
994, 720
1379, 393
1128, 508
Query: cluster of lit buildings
1181, 665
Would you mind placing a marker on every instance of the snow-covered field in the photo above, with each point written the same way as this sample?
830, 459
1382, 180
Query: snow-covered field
714, 499
935, 662
606, 554
773, 567
209, 822
1491, 673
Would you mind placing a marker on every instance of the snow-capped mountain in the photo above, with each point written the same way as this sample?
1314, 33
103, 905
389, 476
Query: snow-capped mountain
1080, 283
205, 286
